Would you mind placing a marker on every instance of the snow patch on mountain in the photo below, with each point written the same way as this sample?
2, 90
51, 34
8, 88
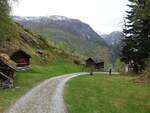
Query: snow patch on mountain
56, 17
53, 18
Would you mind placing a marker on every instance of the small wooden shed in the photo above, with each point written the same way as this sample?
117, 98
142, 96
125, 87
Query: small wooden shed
7, 69
21, 58
95, 62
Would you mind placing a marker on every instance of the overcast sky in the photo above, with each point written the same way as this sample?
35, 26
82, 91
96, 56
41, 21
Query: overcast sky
102, 15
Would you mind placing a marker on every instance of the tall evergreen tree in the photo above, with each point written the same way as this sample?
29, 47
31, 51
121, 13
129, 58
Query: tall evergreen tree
136, 48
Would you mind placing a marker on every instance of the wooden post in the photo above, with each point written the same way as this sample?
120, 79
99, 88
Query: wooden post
91, 72
0, 83
110, 71
92, 69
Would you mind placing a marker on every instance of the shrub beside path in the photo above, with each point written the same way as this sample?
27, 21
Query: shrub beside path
47, 97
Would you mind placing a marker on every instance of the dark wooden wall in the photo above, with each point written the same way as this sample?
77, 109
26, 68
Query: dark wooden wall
7, 71
21, 59
91, 64
100, 65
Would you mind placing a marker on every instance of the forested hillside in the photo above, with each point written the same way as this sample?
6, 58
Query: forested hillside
74, 34
114, 40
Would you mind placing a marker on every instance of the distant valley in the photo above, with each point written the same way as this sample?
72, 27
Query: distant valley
114, 41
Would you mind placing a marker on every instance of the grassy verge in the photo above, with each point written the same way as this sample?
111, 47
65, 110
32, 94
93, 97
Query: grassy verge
25, 80
106, 94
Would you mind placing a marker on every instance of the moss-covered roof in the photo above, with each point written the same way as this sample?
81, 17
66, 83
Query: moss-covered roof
7, 61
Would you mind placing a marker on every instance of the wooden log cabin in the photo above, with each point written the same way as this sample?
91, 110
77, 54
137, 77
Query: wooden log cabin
21, 58
95, 62
7, 69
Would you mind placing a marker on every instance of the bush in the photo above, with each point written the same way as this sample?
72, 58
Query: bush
77, 61
146, 73
64, 53
145, 76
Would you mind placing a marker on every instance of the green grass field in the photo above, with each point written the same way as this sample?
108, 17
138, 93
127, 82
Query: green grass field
106, 94
25, 80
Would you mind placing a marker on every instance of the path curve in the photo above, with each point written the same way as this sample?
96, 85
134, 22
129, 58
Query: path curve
47, 97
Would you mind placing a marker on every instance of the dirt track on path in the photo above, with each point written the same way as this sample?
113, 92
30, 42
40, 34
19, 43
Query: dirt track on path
47, 97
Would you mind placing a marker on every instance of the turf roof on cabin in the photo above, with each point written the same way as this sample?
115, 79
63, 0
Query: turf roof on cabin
12, 51
7, 61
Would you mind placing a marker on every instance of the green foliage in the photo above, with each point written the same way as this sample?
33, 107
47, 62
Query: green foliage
77, 61
106, 94
7, 31
119, 66
7, 28
137, 35
4, 19
62, 45
4, 10
146, 73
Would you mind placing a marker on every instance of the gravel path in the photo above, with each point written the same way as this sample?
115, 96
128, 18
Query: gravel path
47, 97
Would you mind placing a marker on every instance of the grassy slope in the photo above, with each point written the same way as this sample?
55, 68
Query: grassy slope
22, 38
74, 43
25, 80
107, 94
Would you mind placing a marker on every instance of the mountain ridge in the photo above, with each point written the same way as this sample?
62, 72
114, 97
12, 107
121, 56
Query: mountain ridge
74, 31
114, 37
60, 21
